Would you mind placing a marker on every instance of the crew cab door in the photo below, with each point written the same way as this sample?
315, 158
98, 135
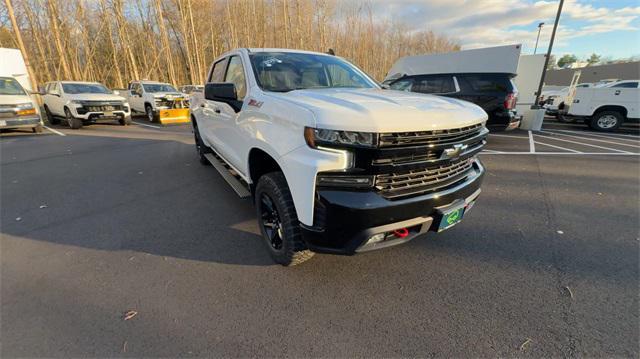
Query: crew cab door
54, 99
218, 123
135, 98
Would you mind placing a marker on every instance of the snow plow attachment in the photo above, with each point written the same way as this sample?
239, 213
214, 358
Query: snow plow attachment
173, 116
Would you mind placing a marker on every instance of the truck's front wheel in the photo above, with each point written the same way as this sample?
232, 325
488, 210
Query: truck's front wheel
278, 221
606, 121
149, 112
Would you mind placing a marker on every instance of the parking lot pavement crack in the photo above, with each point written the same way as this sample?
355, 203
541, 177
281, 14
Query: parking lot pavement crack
559, 263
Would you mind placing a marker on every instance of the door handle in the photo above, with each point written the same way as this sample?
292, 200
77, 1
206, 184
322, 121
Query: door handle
203, 105
216, 109
617, 92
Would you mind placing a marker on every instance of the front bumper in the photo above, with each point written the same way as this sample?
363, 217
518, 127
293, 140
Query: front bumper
102, 116
19, 122
345, 220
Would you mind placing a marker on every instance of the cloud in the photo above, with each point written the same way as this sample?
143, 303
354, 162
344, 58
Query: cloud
496, 22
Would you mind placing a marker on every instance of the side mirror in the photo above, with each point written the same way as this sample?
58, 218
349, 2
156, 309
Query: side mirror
221, 92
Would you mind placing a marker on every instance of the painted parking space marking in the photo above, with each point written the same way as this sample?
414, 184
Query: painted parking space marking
54, 131
556, 147
583, 144
613, 136
592, 139
145, 124
532, 146
562, 153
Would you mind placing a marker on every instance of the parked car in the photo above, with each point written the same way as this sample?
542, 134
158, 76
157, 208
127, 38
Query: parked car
150, 97
81, 103
17, 109
494, 92
607, 107
335, 164
187, 90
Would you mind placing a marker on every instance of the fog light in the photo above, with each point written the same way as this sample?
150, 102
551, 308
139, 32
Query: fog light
377, 238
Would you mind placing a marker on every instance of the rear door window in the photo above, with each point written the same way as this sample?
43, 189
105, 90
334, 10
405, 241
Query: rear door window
434, 84
627, 85
488, 83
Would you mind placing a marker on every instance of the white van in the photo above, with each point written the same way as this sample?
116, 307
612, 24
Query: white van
18, 108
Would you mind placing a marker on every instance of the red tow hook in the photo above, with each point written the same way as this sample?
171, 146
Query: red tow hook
401, 233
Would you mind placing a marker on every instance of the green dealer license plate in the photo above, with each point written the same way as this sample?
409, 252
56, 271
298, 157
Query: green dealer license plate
451, 218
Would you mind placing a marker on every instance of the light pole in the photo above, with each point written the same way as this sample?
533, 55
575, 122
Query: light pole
546, 59
538, 38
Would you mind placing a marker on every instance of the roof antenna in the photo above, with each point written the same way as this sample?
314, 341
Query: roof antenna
331, 52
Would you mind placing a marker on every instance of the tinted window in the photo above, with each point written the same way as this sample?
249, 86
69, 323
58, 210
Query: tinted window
629, 85
235, 75
158, 88
433, 84
487, 83
217, 74
84, 88
288, 71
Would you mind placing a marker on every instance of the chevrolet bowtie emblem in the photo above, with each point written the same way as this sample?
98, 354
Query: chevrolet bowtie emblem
453, 152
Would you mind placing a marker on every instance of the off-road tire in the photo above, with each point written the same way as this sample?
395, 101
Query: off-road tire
52, 119
294, 251
74, 123
125, 121
596, 120
37, 129
201, 148
148, 111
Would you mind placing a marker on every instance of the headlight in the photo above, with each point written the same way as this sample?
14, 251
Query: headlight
317, 136
24, 106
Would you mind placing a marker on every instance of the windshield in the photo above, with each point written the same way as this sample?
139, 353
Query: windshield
74, 89
288, 71
158, 88
9, 86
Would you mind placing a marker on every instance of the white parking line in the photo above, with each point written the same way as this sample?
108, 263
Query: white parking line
532, 146
146, 125
588, 133
561, 153
583, 144
54, 131
507, 136
592, 139
558, 147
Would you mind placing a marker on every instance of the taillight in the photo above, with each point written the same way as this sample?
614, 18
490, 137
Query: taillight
510, 101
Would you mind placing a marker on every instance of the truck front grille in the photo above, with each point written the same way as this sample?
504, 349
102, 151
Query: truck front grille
100, 106
435, 137
414, 182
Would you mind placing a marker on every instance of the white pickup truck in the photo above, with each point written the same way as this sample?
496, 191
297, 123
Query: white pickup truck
149, 97
334, 163
606, 107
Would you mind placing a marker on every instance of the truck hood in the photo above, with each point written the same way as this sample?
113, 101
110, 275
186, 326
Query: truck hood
14, 99
376, 110
95, 97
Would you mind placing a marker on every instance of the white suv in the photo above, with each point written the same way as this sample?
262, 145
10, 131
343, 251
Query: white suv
334, 163
80, 103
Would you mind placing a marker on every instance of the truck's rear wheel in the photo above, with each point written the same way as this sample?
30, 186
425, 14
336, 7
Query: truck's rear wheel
278, 221
74, 123
606, 120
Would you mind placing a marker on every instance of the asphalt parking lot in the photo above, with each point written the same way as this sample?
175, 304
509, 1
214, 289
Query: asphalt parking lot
109, 219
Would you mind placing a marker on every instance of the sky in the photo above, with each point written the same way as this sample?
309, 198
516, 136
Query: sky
610, 28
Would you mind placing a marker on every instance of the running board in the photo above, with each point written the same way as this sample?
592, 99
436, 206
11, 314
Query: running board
240, 189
